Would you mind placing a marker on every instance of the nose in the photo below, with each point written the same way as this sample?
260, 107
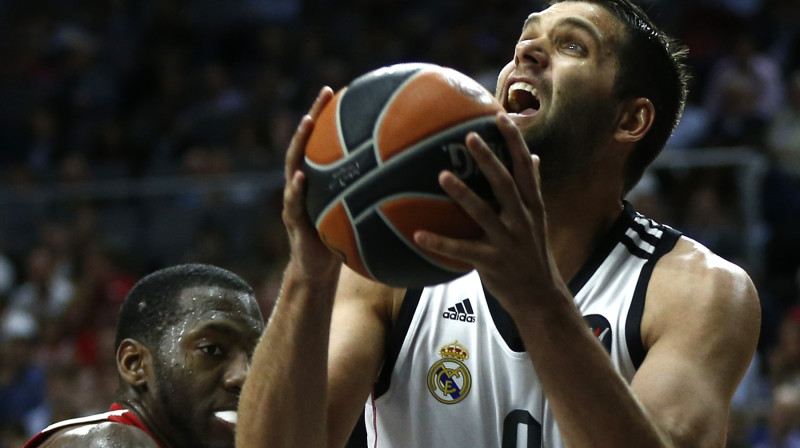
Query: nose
532, 52
234, 376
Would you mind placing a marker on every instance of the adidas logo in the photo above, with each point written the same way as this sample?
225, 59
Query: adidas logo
461, 312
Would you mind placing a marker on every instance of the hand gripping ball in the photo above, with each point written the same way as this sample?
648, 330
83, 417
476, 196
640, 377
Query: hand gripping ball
372, 163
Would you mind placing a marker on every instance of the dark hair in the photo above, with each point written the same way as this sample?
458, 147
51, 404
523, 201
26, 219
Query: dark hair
152, 304
652, 66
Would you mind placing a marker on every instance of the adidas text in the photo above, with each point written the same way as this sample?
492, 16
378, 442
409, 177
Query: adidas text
452, 315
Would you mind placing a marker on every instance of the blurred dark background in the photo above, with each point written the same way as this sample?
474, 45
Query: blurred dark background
140, 133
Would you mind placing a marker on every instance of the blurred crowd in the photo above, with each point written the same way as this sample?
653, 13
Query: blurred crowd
137, 91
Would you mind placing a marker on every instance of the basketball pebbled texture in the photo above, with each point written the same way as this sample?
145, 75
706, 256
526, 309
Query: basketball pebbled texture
372, 163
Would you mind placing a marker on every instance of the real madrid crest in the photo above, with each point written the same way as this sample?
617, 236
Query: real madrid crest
449, 379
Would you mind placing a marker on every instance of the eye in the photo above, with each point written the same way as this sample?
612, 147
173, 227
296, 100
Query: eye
211, 350
574, 46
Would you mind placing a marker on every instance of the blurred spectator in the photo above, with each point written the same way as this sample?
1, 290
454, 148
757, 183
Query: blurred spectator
710, 221
101, 289
745, 69
783, 135
44, 294
784, 357
12, 435
23, 399
782, 431
736, 119
8, 276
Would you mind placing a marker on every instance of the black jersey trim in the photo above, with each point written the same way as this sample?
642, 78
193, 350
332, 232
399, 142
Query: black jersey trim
503, 321
395, 338
615, 234
633, 324
634, 248
646, 236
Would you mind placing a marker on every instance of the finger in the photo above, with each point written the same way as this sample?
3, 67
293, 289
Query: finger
325, 94
294, 210
538, 202
466, 251
499, 178
296, 150
294, 159
293, 194
473, 205
525, 176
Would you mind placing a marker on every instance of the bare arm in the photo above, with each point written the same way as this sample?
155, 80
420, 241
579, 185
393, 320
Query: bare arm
362, 314
313, 368
686, 383
701, 325
286, 384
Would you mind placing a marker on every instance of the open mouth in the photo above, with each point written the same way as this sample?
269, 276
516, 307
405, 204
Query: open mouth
522, 99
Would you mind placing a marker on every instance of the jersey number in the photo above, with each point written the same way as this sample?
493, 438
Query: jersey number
521, 430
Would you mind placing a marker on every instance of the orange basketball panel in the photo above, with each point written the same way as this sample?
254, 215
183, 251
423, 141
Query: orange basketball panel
430, 103
336, 232
440, 216
323, 146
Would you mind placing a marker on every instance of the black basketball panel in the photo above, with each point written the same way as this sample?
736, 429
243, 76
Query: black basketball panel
390, 260
324, 184
366, 97
417, 169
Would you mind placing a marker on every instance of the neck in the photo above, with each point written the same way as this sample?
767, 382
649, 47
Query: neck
147, 418
579, 216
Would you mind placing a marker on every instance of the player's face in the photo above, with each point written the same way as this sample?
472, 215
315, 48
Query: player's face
558, 89
202, 364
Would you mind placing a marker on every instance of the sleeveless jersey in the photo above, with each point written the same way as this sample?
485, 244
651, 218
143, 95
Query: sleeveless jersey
118, 414
457, 374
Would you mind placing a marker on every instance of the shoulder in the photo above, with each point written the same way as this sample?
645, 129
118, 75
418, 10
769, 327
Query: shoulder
100, 435
693, 287
357, 291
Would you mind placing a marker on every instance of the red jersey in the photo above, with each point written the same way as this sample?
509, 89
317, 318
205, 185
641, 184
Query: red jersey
118, 414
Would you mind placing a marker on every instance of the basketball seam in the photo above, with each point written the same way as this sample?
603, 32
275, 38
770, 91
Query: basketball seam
338, 122
382, 115
357, 238
415, 195
403, 239
338, 163
396, 159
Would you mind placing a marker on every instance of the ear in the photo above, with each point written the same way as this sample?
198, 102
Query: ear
635, 119
134, 362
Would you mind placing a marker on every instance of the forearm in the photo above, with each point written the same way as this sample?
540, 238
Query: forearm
591, 402
287, 382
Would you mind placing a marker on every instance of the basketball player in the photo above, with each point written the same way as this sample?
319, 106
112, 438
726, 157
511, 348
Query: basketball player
584, 324
184, 340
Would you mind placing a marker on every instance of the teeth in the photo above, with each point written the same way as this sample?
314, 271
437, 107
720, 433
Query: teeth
517, 86
227, 416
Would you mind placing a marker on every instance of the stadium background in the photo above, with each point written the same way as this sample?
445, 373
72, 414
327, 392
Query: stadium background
140, 133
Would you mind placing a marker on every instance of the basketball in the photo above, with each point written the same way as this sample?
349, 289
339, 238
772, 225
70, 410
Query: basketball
372, 163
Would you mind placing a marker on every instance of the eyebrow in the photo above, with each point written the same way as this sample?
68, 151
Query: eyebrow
535, 19
217, 327
585, 25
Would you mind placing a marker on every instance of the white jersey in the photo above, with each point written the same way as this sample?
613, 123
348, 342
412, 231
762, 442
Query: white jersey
457, 375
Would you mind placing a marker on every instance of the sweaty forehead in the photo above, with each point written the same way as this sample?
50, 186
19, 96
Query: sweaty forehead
204, 301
